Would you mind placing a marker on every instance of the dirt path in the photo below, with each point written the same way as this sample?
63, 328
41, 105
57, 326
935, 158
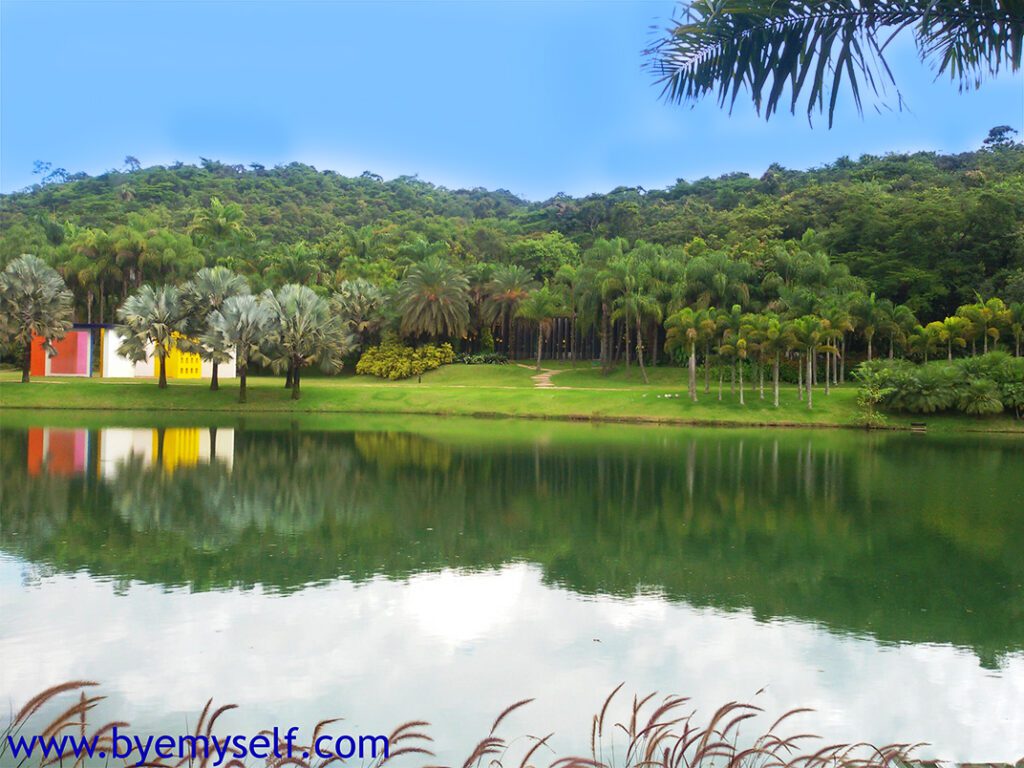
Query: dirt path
543, 379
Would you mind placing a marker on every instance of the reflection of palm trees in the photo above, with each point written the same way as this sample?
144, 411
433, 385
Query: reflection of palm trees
775, 523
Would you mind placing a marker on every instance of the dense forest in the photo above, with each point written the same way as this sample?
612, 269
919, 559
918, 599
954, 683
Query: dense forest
929, 231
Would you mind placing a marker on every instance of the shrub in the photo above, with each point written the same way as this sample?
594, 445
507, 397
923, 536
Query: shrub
980, 398
393, 360
979, 386
484, 358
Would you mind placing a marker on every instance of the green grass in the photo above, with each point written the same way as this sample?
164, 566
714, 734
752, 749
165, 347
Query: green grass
485, 390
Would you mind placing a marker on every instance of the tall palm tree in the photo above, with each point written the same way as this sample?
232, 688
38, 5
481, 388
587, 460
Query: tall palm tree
200, 297
34, 301
778, 50
540, 309
433, 299
811, 333
509, 285
715, 279
1017, 325
241, 323
953, 333
871, 314
304, 331
596, 260
152, 316
684, 331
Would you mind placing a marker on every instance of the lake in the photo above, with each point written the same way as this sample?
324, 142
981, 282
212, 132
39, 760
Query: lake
387, 569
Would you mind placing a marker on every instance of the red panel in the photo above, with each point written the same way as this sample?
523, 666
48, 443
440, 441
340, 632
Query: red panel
66, 455
66, 359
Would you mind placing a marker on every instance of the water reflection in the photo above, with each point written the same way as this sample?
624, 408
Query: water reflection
387, 575
902, 539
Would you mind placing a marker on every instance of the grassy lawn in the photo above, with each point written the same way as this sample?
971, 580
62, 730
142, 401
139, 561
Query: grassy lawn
484, 390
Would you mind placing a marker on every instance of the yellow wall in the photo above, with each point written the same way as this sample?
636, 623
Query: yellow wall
183, 365
181, 447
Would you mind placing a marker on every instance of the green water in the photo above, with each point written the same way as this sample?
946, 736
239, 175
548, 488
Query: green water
390, 569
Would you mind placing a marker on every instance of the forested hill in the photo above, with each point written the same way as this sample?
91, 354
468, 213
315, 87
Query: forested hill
924, 229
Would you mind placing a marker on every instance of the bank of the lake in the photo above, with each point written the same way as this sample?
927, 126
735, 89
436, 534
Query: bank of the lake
581, 394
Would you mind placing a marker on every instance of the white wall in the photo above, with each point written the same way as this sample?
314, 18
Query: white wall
115, 366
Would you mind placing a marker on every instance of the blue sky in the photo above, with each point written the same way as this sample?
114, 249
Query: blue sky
533, 97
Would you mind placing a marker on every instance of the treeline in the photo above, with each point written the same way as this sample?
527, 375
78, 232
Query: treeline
628, 298
924, 230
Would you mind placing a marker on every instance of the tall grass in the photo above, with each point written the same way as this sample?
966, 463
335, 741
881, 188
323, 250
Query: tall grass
652, 733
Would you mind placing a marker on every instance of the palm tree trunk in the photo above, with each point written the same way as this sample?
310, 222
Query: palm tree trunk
949, 349
163, 371
214, 381
289, 375
540, 347
88, 306
869, 347
626, 337
740, 366
800, 375
810, 389
243, 370
572, 339
26, 362
828, 391
707, 368
103, 301
604, 333
295, 382
721, 377
842, 363
693, 371
760, 378
640, 351
775, 379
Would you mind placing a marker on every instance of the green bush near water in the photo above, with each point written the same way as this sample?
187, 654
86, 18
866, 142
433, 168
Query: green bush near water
979, 386
393, 360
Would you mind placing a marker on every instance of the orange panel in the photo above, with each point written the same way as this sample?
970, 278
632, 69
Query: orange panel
38, 366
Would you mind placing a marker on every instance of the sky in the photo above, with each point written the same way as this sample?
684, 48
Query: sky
534, 97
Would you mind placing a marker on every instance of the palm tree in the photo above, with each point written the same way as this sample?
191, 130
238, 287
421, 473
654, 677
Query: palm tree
1017, 325
433, 299
871, 314
34, 301
509, 285
712, 278
776, 338
360, 304
203, 295
685, 330
784, 49
221, 221
304, 331
811, 333
540, 309
241, 323
954, 332
152, 316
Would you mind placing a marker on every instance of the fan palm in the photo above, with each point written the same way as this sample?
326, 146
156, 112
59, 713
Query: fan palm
241, 323
360, 304
434, 299
152, 317
304, 331
34, 301
203, 295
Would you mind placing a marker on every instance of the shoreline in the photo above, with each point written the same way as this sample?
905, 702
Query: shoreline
478, 393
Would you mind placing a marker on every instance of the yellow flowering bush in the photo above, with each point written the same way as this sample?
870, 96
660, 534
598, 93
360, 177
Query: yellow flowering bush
393, 360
